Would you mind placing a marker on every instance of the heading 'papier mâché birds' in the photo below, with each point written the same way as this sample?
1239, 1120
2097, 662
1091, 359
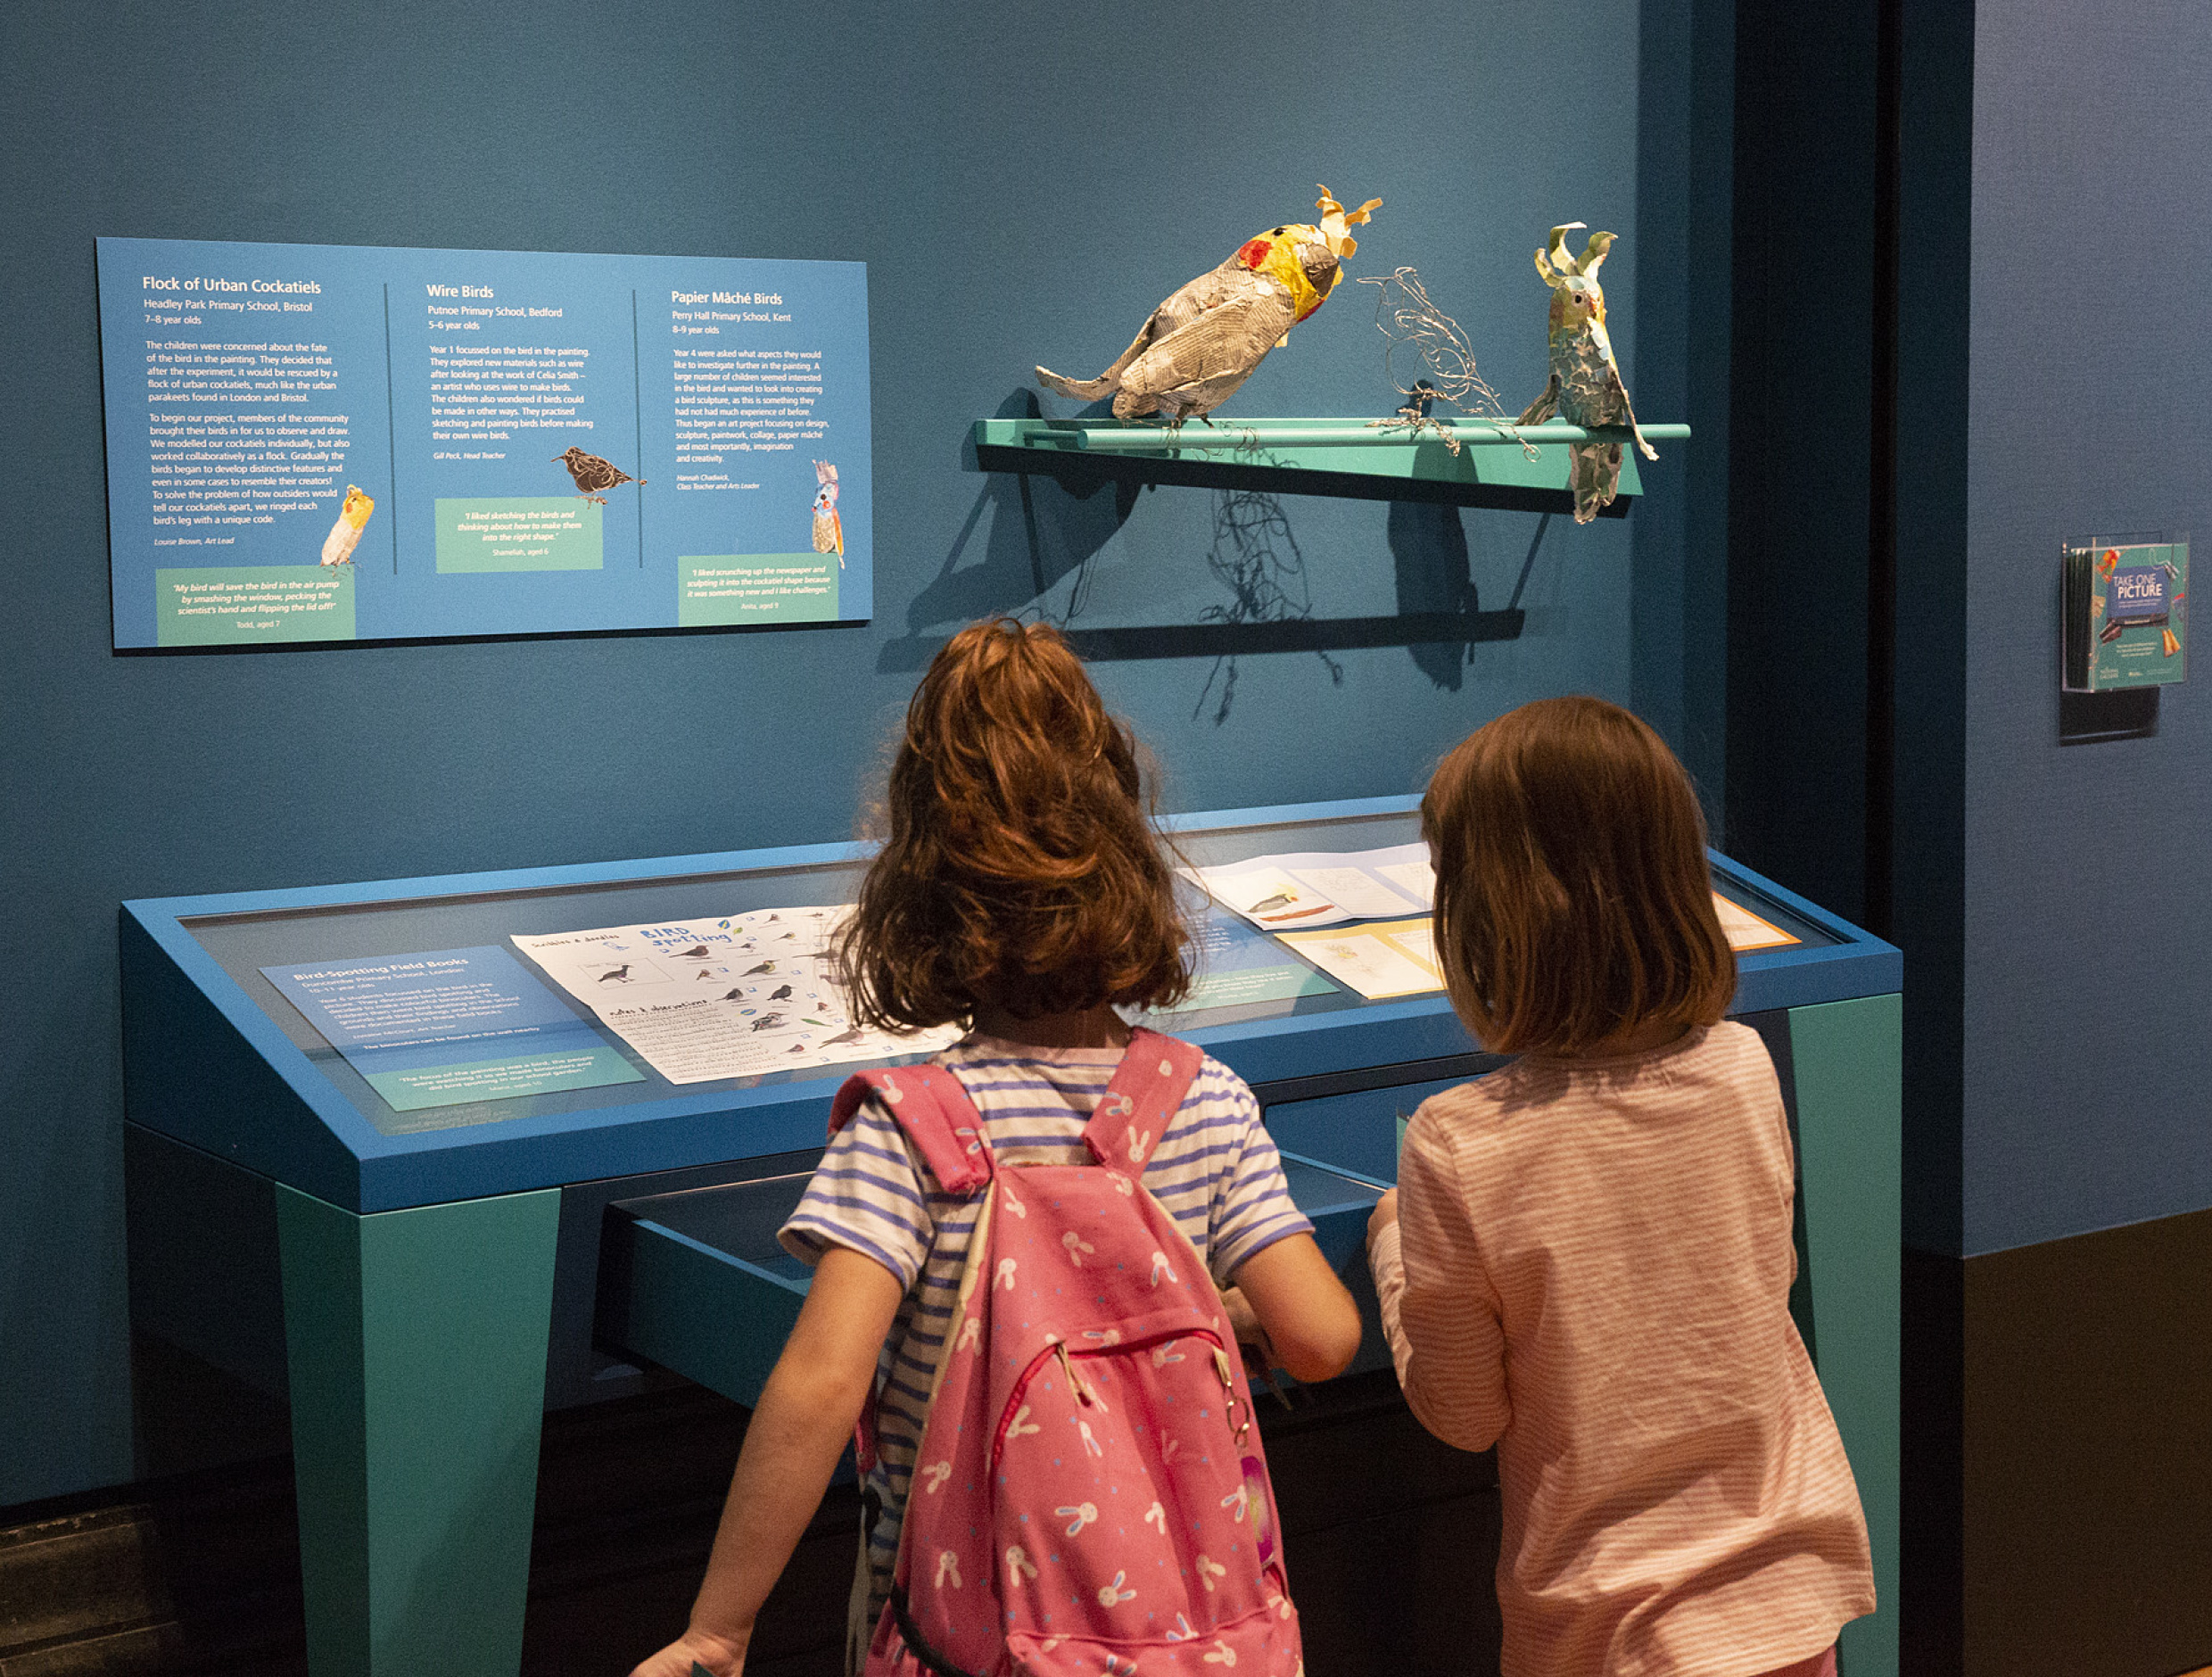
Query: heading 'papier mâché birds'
1204, 341
1585, 387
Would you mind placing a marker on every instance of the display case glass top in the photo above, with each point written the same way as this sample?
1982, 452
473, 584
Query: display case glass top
1292, 1019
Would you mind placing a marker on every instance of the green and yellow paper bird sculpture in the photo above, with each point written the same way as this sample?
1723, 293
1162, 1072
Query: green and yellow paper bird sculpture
1196, 347
1585, 387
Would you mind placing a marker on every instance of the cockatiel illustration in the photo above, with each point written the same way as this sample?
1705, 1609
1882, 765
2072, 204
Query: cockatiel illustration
345, 534
828, 528
1585, 387
1203, 341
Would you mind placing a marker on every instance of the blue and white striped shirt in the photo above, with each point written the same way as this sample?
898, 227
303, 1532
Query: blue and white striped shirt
1216, 1170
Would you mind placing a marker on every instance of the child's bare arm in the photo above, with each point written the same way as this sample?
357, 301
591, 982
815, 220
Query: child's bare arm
805, 1413
1309, 1318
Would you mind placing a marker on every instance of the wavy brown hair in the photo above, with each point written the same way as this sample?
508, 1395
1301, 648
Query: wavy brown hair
1573, 896
1021, 869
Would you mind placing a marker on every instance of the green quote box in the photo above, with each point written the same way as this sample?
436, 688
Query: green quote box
588, 1068
521, 533
252, 605
717, 589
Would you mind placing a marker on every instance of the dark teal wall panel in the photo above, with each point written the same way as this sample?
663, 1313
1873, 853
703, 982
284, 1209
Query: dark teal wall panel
2088, 920
1024, 183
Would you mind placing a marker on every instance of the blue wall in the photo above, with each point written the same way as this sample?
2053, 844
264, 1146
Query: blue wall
2088, 915
1024, 182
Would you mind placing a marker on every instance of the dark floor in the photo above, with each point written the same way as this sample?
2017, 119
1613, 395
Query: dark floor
1390, 1538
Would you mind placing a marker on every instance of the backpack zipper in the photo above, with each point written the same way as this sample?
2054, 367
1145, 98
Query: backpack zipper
1084, 1392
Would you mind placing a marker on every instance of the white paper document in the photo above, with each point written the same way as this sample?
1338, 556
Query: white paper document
1392, 958
1745, 930
703, 999
1318, 888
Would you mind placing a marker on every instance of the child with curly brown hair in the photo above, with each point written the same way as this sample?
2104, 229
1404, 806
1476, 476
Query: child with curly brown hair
1023, 893
1587, 1260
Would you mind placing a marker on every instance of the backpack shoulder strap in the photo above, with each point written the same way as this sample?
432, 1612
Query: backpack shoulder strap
935, 1114
1148, 1087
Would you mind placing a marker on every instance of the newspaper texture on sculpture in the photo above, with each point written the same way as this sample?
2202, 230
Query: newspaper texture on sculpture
1203, 341
1585, 387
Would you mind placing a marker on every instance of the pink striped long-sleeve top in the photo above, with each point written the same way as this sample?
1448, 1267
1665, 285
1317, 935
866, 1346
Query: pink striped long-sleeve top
1592, 1269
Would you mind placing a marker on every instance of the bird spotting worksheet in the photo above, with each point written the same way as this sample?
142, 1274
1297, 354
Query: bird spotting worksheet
702, 999
333, 442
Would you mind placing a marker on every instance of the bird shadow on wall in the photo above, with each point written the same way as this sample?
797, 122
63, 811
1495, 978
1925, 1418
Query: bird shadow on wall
1049, 525
1042, 529
1429, 559
1255, 556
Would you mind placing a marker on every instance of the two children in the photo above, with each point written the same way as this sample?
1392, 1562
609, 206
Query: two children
1588, 1262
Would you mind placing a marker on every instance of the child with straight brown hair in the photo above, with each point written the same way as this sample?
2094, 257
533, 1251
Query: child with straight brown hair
1587, 1260
1022, 892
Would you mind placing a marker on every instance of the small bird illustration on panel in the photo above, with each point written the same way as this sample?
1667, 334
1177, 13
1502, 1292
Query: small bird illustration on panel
593, 474
345, 534
1206, 340
828, 528
1585, 388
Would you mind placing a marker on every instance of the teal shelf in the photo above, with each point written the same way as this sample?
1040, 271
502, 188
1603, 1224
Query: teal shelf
1517, 468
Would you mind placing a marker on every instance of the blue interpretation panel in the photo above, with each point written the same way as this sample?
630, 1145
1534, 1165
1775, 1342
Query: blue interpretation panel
333, 442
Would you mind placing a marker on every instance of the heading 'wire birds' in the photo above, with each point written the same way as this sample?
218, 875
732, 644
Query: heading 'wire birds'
593, 474
1585, 387
1196, 347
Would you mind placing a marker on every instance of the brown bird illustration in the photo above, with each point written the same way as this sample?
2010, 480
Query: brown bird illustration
592, 474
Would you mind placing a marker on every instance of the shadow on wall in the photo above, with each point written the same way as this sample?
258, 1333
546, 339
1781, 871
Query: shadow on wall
1429, 554
1045, 528
1255, 554
1040, 532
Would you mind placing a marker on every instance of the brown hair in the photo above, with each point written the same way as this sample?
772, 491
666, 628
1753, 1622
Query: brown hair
1021, 868
1574, 897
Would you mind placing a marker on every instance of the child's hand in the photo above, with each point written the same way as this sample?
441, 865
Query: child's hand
1385, 1215
693, 1652
1251, 1338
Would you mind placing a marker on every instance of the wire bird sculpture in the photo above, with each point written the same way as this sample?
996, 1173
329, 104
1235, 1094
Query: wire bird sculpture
1255, 554
1411, 322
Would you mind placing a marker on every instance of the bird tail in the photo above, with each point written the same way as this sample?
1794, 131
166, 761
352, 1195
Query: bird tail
1081, 389
1092, 389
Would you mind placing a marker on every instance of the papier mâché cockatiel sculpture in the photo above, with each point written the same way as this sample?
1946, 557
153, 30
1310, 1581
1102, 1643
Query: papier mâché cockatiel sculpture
1585, 387
1205, 341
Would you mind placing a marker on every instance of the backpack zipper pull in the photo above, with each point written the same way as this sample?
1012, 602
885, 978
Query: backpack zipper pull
1228, 1394
1076, 1382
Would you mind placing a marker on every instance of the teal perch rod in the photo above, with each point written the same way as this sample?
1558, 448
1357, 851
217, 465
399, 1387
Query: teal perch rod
1230, 437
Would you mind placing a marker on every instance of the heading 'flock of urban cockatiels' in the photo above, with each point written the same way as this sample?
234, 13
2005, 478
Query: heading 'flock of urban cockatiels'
1195, 350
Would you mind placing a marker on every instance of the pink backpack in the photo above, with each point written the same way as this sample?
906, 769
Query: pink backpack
1090, 1495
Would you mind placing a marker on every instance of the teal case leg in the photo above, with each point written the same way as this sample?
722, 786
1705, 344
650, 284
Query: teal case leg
416, 1343
1849, 1117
